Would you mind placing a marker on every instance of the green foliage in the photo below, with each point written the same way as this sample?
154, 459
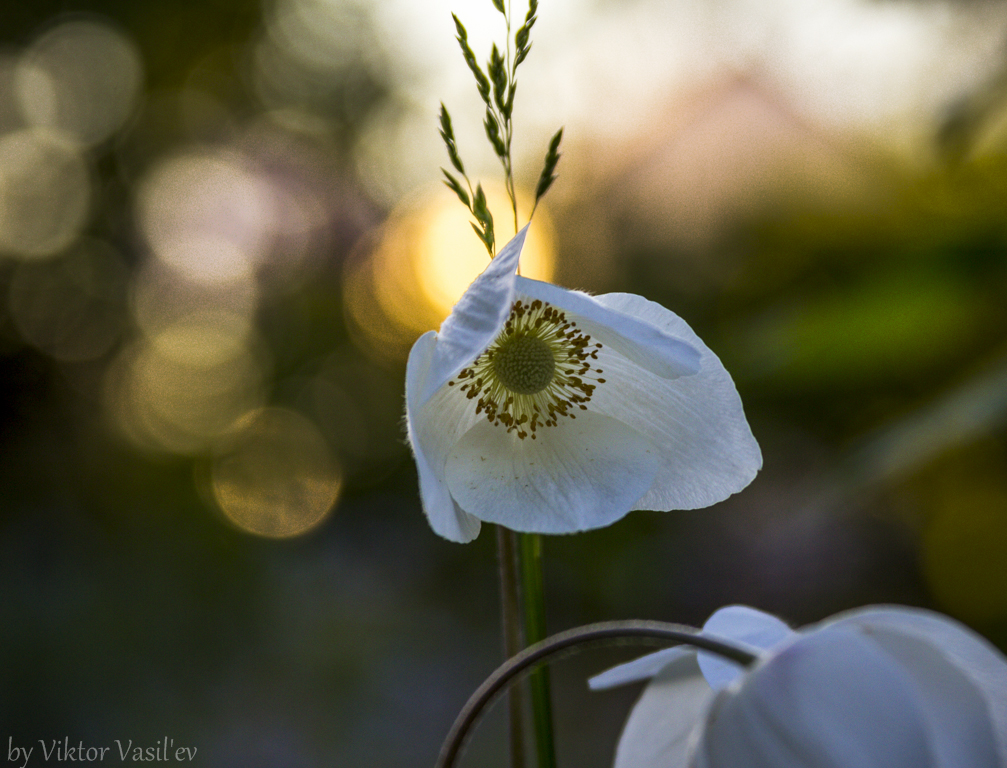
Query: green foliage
448, 134
452, 183
547, 176
482, 213
497, 87
475, 202
498, 74
492, 126
522, 46
463, 40
508, 107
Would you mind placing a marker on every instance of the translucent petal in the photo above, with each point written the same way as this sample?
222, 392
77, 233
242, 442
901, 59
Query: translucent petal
831, 699
983, 664
476, 319
747, 628
643, 668
661, 725
747, 625
432, 430
697, 423
649, 347
583, 473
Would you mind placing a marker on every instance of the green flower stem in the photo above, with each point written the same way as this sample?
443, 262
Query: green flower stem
534, 624
510, 599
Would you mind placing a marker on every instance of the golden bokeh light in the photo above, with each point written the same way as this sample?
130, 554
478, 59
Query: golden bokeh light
10, 111
163, 296
183, 388
45, 193
424, 258
308, 42
449, 256
207, 215
203, 341
376, 334
82, 78
72, 307
277, 477
322, 35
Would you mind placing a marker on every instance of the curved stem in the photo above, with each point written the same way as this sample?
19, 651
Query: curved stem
552, 646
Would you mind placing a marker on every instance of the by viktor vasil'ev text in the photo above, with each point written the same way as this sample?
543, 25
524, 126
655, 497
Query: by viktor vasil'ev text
124, 750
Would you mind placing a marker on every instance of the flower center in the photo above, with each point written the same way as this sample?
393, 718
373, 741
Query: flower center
524, 364
535, 372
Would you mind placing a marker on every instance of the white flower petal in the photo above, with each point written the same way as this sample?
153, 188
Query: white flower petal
659, 730
583, 473
745, 628
643, 446
747, 625
983, 664
831, 699
956, 711
643, 668
649, 347
476, 319
697, 423
431, 436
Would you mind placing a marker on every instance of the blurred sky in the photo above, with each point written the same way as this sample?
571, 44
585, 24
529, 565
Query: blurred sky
222, 228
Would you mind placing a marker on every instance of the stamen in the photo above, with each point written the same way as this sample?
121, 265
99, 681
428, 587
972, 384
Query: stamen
535, 372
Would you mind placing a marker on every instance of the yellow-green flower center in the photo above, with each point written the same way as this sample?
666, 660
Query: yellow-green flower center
524, 364
536, 371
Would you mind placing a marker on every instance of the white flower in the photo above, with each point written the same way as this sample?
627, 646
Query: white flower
551, 411
878, 687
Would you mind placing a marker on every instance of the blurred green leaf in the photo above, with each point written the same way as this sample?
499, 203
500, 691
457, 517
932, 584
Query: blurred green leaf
886, 328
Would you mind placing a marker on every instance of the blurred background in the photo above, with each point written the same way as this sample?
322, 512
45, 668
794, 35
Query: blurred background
222, 228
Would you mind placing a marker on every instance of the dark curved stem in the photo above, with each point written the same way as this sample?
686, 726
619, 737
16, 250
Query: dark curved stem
606, 631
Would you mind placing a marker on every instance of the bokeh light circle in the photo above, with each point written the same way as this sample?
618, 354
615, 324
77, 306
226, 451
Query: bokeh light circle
83, 78
278, 478
72, 307
45, 193
449, 256
207, 215
182, 389
407, 280
10, 111
162, 296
